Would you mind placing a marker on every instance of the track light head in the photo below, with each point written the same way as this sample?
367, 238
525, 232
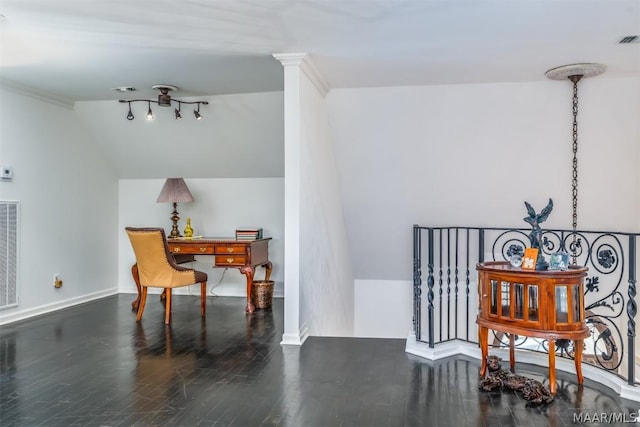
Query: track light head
149, 112
197, 114
178, 115
130, 115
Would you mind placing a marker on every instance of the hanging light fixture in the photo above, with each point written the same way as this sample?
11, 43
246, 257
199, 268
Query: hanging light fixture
574, 73
164, 100
130, 115
149, 112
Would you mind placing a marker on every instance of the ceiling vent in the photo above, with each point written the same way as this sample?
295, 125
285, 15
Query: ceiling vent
630, 39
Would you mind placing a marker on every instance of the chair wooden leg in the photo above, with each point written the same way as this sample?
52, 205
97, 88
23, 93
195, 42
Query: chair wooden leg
167, 307
203, 298
143, 300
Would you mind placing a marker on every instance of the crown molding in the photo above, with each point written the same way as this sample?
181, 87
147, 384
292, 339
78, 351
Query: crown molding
37, 94
303, 60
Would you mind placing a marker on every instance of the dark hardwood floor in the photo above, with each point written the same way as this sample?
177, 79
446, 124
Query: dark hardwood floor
93, 365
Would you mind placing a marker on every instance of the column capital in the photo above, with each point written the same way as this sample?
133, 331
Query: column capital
303, 62
287, 59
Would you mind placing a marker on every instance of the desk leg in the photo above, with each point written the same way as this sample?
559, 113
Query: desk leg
552, 366
136, 278
249, 272
578, 347
267, 272
483, 338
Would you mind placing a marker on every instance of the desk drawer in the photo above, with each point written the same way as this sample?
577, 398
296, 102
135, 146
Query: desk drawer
184, 249
230, 249
222, 260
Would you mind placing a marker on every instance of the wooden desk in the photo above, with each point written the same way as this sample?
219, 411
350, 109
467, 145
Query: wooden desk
245, 255
541, 304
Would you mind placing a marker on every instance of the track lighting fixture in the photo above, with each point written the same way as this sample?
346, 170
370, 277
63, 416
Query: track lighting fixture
164, 100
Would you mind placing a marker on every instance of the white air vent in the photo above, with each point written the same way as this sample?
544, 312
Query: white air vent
8, 254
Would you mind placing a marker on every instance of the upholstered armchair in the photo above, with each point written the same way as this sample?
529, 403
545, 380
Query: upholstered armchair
156, 268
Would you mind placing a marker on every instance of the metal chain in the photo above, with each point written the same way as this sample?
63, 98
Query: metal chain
574, 179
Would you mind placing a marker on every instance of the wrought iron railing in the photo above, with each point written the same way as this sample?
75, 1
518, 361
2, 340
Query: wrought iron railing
446, 298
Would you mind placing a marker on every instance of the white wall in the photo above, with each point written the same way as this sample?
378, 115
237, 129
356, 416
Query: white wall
471, 155
68, 197
219, 207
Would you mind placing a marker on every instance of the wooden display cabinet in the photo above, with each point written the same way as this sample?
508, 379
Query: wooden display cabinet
540, 304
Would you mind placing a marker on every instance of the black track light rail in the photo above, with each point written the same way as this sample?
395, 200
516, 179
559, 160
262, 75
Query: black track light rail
166, 103
156, 102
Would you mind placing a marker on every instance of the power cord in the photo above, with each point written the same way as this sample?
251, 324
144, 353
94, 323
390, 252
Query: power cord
213, 294
218, 284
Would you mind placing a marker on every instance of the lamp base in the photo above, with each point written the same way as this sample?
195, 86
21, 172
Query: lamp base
175, 232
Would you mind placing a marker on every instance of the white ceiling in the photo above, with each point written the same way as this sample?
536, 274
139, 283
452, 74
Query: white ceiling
79, 50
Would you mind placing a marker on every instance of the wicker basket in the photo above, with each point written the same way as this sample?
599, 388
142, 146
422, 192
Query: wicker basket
262, 293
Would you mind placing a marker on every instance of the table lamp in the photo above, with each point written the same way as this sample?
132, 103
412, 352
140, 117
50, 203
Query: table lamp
175, 191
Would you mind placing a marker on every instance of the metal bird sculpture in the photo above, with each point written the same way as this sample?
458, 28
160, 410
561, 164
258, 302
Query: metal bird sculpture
535, 237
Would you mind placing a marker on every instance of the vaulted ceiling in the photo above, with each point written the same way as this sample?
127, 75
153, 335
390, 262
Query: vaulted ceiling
80, 50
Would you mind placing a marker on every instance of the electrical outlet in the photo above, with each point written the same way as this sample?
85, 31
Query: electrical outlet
57, 280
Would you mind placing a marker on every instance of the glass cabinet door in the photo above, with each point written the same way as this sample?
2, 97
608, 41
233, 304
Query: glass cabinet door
575, 304
518, 309
532, 302
562, 304
494, 297
505, 299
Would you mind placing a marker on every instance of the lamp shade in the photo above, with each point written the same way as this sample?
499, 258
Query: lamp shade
175, 191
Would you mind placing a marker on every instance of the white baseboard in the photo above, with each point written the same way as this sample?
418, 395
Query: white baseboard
295, 339
456, 347
48, 308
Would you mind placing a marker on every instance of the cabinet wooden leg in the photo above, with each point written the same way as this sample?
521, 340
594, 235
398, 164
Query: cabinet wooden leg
483, 338
512, 352
249, 272
552, 366
578, 346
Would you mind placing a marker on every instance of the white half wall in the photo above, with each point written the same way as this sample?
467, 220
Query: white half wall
457, 347
383, 308
219, 207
